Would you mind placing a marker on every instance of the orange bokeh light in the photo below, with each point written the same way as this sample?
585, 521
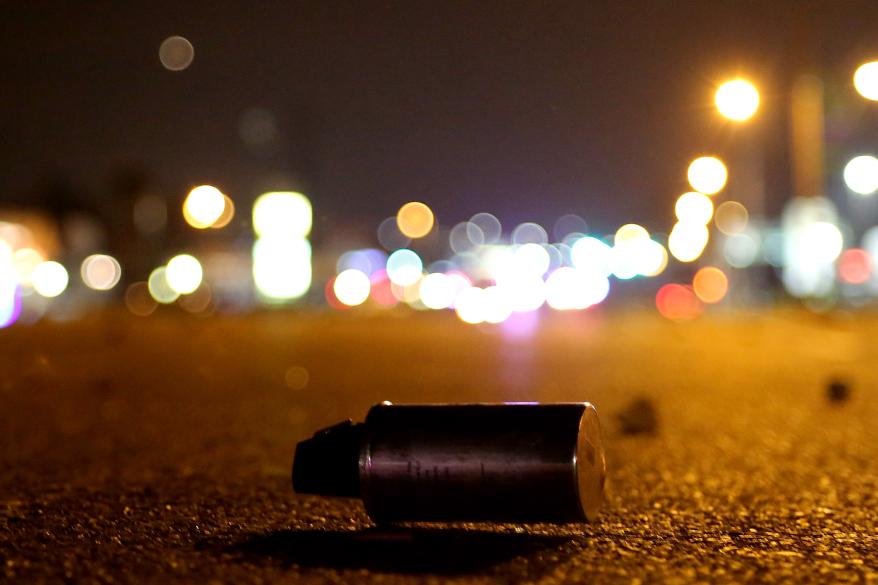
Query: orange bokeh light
710, 284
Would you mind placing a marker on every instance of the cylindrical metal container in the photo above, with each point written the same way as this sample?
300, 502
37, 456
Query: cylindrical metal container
468, 462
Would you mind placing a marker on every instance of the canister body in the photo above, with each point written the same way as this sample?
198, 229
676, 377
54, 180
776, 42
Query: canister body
482, 462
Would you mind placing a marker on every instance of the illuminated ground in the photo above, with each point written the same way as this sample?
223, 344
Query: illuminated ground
158, 449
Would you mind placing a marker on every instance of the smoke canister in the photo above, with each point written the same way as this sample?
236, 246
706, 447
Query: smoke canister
521, 462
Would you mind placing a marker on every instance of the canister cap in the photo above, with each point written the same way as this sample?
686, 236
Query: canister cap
591, 464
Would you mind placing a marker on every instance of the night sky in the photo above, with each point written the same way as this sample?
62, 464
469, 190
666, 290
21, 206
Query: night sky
526, 109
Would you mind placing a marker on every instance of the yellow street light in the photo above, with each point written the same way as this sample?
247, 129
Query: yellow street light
737, 100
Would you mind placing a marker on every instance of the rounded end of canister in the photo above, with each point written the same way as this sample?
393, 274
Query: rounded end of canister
591, 464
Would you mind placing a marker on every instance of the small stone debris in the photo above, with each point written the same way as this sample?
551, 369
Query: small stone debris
639, 418
838, 391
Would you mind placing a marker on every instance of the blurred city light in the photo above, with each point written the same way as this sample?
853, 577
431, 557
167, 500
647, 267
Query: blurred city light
282, 214
571, 289
390, 237
352, 287
861, 175
866, 80
282, 268
707, 175
49, 279
183, 274
100, 272
855, 266
159, 288
737, 100
630, 232
203, 206
469, 306
496, 305
731, 218
591, 255
740, 250
531, 259
227, 215
677, 302
25, 261
404, 267
812, 243
694, 207
10, 289
139, 300
687, 241
282, 253
465, 237
414, 219
437, 291
176, 53
710, 284
529, 233
488, 225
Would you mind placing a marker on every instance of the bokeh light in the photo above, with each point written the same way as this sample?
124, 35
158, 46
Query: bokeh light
176, 53
496, 307
184, 274
567, 225
821, 241
710, 284
352, 287
854, 266
694, 207
159, 289
532, 259
282, 269
390, 237
469, 305
489, 226
465, 237
139, 300
677, 302
437, 291
10, 289
198, 301
707, 175
287, 214
50, 279
731, 218
25, 261
861, 175
227, 215
415, 219
737, 100
203, 206
866, 80
591, 255
687, 241
630, 232
404, 267
740, 250
100, 272
571, 289
529, 233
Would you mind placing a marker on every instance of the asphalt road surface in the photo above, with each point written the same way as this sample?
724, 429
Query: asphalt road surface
158, 449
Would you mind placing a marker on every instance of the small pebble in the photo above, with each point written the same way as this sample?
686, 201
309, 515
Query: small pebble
639, 418
838, 390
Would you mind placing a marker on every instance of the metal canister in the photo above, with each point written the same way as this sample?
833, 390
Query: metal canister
522, 462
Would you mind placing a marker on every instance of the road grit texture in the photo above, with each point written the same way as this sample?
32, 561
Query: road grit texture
158, 450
